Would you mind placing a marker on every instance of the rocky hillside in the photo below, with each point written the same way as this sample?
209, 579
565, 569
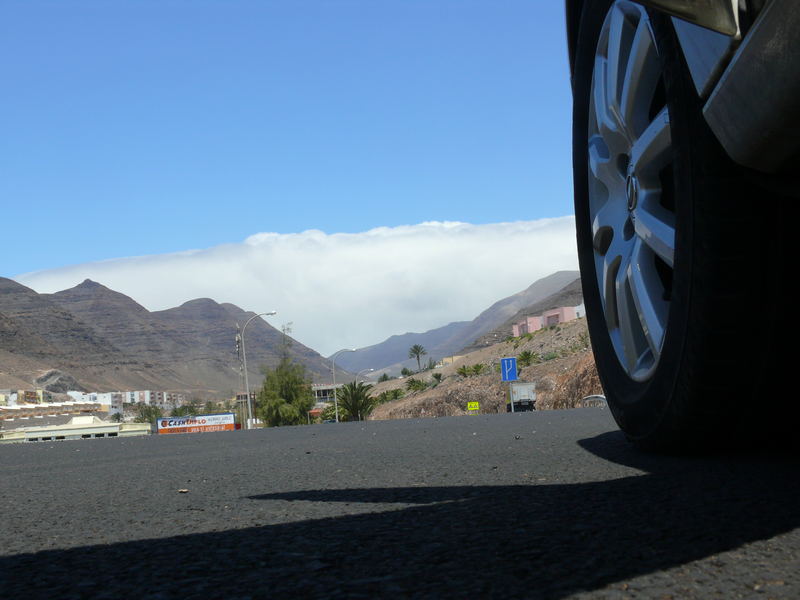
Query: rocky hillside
564, 374
91, 337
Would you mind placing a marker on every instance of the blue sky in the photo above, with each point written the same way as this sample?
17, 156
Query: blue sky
155, 127
135, 128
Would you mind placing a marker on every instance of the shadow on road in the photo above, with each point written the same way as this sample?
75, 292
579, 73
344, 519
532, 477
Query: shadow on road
544, 541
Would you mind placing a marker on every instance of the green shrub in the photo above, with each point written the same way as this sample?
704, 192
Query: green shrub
478, 369
525, 358
415, 385
390, 395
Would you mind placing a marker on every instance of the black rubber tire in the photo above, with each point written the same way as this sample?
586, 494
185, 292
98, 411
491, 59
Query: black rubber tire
703, 390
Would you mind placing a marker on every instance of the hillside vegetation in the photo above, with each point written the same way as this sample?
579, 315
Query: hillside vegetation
562, 368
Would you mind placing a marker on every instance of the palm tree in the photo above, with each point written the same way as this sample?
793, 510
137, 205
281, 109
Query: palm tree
390, 395
417, 351
478, 369
526, 358
415, 385
355, 401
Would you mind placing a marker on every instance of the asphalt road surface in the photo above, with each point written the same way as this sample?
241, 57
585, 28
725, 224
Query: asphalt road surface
551, 504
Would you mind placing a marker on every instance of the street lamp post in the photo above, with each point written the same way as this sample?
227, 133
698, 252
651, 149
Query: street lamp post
363, 371
333, 371
244, 360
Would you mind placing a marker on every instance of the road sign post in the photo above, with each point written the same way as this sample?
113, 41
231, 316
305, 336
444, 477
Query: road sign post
508, 369
508, 372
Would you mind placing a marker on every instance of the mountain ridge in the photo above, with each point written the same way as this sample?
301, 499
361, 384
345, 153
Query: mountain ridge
107, 341
392, 354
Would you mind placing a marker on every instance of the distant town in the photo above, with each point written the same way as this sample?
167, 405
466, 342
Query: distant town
33, 403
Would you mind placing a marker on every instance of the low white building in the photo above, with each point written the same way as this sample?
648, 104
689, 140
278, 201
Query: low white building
110, 402
80, 427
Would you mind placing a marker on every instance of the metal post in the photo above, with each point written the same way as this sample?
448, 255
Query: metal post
333, 371
363, 371
244, 359
335, 399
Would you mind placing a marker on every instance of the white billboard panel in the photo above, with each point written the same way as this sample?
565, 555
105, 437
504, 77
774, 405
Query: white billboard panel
197, 423
523, 391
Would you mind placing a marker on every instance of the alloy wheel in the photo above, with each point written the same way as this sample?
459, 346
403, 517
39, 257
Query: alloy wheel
631, 195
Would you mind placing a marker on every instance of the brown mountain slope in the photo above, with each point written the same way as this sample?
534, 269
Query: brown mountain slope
107, 341
209, 329
117, 317
47, 328
17, 338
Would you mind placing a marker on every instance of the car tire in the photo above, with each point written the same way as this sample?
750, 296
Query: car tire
674, 242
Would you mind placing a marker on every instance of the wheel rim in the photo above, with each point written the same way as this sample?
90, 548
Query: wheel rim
631, 200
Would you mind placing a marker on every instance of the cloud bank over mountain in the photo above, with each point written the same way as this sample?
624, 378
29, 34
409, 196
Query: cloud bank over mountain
345, 289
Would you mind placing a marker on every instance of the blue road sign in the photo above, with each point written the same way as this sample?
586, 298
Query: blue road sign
508, 369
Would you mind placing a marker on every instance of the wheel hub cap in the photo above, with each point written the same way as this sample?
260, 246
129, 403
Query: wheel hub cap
631, 190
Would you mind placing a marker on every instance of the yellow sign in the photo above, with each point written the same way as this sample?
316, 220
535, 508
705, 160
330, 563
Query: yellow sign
473, 405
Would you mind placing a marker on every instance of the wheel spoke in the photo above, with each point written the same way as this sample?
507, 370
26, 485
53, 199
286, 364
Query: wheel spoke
608, 123
601, 165
641, 79
650, 153
599, 84
656, 229
614, 59
609, 267
647, 293
613, 250
604, 217
628, 321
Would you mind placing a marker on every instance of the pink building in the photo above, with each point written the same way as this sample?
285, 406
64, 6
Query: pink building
527, 325
546, 319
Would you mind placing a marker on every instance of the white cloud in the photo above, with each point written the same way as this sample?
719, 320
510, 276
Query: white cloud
345, 290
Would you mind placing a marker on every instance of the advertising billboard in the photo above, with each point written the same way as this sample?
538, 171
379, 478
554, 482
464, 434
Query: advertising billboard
197, 423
